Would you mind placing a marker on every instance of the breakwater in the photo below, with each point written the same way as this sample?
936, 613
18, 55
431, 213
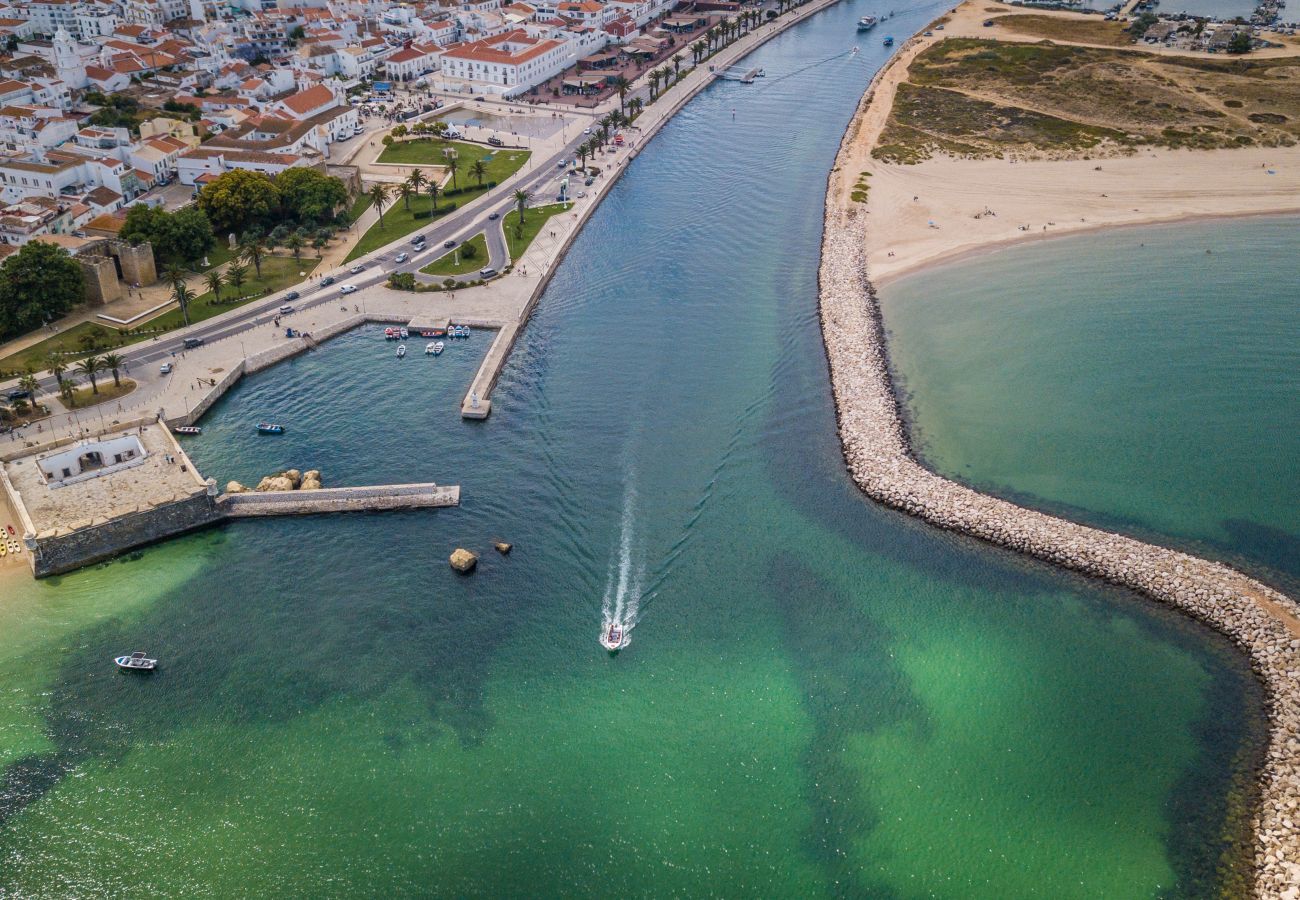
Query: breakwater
341, 499
1262, 622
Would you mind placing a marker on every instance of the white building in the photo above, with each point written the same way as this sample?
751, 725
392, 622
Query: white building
506, 64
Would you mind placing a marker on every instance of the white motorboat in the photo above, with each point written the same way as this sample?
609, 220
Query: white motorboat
614, 638
136, 661
401, 350
437, 348
866, 23
428, 349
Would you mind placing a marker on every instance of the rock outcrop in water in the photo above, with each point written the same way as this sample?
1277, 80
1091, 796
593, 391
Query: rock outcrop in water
463, 560
1262, 622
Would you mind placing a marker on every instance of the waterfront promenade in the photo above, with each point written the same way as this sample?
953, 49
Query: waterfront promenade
1262, 622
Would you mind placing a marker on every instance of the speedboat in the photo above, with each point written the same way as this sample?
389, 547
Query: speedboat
889, 42
137, 661
269, 428
401, 350
614, 638
866, 23
188, 429
437, 348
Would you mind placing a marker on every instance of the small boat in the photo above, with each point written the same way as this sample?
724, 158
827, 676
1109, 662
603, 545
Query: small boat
437, 348
428, 349
404, 333
269, 428
188, 429
614, 638
390, 333
401, 350
464, 331
888, 42
137, 661
11, 530
866, 23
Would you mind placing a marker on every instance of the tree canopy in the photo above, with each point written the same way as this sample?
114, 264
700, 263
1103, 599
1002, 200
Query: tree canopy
180, 237
310, 196
238, 199
38, 283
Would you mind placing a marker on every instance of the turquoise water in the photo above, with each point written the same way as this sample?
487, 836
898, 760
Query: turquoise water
1128, 378
821, 697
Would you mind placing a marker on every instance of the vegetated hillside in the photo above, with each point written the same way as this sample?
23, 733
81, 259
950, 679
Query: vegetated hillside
981, 98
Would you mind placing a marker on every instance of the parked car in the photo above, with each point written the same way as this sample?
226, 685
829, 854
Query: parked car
581, 194
401, 258
191, 343
449, 244
349, 289
487, 273
496, 141
165, 369
286, 309
327, 281
18, 395
357, 269
589, 182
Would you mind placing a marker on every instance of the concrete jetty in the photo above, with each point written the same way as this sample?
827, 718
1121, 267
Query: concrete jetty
1262, 622
340, 499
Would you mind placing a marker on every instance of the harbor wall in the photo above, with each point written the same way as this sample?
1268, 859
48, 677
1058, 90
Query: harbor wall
52, 554
341, 499
1262, 622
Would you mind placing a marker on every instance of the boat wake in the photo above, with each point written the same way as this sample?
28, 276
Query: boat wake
618, 608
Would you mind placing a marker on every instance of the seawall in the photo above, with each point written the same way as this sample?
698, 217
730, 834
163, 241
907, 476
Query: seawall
1262, 622
342, 499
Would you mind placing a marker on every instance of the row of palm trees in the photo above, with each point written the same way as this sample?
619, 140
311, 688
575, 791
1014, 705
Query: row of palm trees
252, 250
380, 194
91, 368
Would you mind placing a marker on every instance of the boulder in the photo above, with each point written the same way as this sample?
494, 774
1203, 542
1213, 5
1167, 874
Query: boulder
234, 487
275, 483
502, 547
294, 476
462, 560
309, 483
311, 473
264, 484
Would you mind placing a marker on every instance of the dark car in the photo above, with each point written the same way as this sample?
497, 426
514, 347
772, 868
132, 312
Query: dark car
417, 240
496, 142
479, 99
191, 343
327, 280
589, 182
18, 395
449, 244
292, 295
494, 216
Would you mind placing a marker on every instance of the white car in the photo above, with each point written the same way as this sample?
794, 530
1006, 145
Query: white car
400, 258
348, 289
165, 369
357, 270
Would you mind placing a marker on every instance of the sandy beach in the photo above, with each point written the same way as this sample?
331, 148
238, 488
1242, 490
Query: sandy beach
946, 207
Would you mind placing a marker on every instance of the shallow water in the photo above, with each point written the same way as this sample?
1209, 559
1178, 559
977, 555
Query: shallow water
1128, 378
821, 698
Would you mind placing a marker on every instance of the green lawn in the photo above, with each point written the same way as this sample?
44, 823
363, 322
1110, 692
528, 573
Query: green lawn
86, 396
534, 219
398, 222
448, 264
359, 205
278, 272
501, 164
35, 356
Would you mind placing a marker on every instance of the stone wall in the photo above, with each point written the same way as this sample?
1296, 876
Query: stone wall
137, 262
1262, 622
101, 281
343, 499
65, 552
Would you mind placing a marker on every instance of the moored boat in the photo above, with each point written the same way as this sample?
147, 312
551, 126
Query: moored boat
269, 428
437, 348
137, 661
428, 349
401, 350
866, 23
404, 333
188, 429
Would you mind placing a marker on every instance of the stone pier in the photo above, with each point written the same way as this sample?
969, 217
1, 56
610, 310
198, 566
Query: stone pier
341, 499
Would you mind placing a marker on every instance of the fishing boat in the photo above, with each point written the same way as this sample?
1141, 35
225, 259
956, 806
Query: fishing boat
437, 348
866, 23
614, 638
136, 661
888, 42
401, 350
269, 428
390, 334
464, 331
188, 429
11, 530
428, 349
404, 333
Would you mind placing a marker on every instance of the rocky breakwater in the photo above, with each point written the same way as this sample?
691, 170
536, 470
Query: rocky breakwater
287, 480
1261, 621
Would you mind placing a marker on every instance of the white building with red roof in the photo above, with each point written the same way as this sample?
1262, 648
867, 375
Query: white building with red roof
411, 62
505, 64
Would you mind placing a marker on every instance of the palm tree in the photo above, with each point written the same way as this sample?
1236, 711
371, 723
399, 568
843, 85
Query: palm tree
92, 366
66, 387
584, 150
29, 384
404, 191
677, 64
56, 368
416, 180
215, 282
479, 171
697, 51
378, 194
654, 82
236, 275
183, 296
113, 362
605, 124
253, 249
293, 243
521, 202
634, 106
174, 274
452, 165
621, 85
433, 195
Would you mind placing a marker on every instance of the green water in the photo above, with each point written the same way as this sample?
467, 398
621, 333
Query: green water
1129, 379
821, 698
